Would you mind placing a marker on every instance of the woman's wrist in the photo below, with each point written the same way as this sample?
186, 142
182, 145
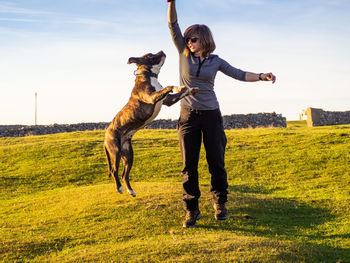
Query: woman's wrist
260, 76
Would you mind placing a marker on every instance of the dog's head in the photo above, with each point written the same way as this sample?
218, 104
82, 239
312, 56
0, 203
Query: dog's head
150, 61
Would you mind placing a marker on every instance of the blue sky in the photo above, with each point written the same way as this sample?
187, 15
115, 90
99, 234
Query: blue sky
74, 53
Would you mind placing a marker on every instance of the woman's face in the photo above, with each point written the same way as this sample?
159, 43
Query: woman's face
193, 44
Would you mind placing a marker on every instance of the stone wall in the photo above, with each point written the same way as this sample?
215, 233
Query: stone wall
236, 121
26, 130
319, 117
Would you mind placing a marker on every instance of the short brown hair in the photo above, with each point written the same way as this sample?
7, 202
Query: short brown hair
207, 43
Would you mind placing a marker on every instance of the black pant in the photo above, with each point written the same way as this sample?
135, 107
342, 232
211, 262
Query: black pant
192, 126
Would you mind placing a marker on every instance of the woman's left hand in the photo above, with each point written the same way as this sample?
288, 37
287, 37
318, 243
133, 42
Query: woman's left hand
268, 77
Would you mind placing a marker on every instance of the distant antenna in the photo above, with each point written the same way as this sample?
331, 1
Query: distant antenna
36, 108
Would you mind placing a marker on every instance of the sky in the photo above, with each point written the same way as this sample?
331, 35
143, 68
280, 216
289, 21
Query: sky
74, 55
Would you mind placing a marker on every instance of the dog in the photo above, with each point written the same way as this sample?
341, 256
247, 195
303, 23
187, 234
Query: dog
143, 106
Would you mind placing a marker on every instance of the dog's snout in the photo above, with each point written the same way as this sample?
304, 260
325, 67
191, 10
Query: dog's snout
161, 53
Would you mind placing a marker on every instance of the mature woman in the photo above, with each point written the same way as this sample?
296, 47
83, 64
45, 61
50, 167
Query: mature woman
200, 114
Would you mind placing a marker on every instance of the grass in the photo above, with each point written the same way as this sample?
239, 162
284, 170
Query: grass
289, 199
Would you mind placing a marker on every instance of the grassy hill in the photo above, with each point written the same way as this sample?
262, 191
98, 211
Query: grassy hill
289, 199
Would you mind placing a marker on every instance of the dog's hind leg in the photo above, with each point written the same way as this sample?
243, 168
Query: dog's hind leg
114, 155
109, 163
128, 158
115, 172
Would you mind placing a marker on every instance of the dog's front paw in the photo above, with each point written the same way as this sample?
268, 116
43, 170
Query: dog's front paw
180, 89
193, 91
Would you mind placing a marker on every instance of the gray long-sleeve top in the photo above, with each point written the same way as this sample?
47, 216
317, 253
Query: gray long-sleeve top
201, 75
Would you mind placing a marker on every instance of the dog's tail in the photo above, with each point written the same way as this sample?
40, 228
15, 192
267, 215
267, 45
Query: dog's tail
108, 157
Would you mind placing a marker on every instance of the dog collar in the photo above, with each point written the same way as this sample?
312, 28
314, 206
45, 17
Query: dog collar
141, 72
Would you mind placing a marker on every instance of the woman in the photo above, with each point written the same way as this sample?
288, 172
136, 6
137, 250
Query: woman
200, 114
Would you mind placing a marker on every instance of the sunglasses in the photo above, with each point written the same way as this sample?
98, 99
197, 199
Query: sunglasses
192, 39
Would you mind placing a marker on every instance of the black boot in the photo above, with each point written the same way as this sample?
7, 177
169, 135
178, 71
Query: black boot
191, 218
220, 212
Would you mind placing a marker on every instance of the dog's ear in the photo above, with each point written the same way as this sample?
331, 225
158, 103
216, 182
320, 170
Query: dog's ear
133, 60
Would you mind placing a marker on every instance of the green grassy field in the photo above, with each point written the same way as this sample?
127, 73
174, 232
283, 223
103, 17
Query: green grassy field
289, 199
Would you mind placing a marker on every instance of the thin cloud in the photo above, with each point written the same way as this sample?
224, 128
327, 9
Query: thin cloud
89, 21
240, 2
19, 20
247, 2
338, 2
10, 8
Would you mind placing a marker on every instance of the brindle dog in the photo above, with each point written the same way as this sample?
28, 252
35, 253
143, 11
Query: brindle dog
143, 106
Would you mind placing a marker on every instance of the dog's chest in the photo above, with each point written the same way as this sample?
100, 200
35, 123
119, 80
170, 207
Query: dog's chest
155, 83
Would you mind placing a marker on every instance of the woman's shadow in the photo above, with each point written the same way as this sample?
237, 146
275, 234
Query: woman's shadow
253, 212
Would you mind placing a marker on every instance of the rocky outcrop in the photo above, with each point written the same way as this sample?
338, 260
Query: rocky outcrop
236, 121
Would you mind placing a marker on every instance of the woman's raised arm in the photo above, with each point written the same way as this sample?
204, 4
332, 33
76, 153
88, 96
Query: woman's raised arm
172, 15
175, 30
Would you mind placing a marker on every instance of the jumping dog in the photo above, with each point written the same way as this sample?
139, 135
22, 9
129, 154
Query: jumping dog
147, 98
